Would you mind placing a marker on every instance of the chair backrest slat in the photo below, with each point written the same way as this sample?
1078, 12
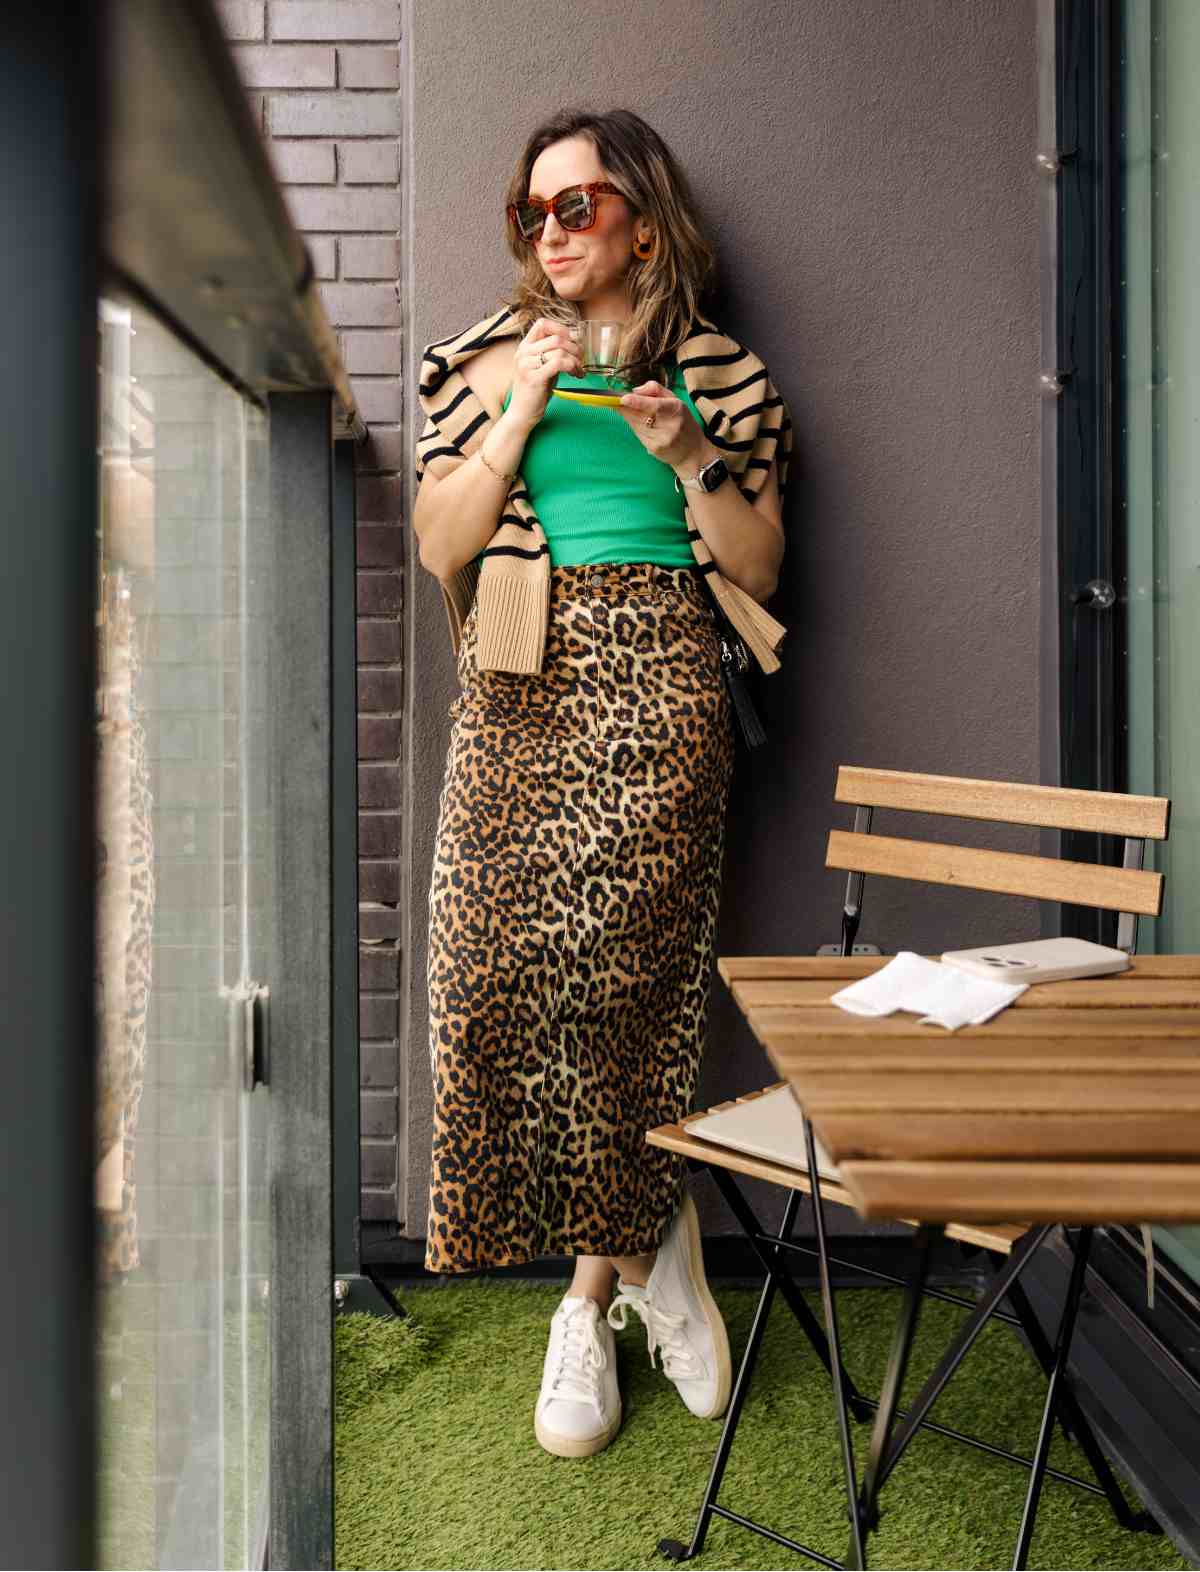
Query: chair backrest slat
1003, 873
1049, 807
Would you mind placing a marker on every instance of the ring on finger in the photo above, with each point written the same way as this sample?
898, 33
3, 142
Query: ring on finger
651, 417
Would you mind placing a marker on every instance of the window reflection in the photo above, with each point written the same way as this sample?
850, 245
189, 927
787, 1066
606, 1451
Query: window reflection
125, 887
184, 915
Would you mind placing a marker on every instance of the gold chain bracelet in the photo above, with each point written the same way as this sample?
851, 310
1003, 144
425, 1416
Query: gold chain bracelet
499, 474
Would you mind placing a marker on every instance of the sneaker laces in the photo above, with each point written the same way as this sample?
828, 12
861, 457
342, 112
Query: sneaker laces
581, 1355
664, 1331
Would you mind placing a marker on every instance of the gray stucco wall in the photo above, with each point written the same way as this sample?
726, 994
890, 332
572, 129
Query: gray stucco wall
867, 172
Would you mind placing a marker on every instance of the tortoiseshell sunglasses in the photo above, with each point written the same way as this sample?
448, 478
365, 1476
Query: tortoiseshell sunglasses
574, 208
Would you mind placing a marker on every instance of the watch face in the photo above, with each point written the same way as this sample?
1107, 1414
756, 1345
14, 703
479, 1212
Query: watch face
713, 474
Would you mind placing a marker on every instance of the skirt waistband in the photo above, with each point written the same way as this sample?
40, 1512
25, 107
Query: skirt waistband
576, 578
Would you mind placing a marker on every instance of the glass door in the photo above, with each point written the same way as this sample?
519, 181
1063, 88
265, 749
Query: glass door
185, 944
1157, 403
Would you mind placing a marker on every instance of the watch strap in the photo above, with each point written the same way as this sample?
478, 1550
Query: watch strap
696, 482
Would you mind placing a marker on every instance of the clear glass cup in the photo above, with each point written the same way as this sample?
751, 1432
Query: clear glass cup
600, 342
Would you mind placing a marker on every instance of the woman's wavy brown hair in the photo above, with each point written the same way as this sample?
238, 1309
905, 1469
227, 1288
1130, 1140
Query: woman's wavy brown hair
666, 291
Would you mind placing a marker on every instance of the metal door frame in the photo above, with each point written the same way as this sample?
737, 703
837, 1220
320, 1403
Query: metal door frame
1083, 619
50, 94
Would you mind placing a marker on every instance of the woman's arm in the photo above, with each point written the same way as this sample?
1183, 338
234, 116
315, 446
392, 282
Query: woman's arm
455, 516
745, 538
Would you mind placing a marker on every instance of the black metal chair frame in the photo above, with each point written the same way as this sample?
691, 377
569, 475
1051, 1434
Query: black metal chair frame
888, 1444
889, 1440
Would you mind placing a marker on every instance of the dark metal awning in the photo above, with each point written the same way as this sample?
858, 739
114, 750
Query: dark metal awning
194, 221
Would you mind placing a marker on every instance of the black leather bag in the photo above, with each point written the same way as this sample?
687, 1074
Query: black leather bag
736, 669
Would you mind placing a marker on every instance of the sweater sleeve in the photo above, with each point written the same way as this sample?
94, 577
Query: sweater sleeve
435, 452
782, 441
772, 441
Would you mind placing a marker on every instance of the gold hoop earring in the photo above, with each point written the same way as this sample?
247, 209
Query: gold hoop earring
645, 249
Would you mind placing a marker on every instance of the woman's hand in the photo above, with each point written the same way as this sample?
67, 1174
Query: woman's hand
675, 438
546, 349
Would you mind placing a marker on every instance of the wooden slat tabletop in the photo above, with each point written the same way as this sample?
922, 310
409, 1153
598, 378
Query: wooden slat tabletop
1043, 1192
1081, 1103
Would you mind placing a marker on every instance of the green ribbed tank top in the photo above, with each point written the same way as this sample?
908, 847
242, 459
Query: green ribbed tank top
600, 497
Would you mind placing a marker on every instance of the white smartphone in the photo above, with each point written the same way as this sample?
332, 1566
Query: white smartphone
1041, 960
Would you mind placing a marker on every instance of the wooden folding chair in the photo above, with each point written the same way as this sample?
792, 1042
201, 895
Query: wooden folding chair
1128, 890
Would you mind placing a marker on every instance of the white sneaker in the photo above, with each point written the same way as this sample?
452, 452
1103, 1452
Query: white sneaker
578, 1410
681, 1318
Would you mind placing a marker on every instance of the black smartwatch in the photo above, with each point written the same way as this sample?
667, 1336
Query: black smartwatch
707, 478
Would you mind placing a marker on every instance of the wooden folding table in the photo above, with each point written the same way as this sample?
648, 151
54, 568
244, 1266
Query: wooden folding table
1080, 1104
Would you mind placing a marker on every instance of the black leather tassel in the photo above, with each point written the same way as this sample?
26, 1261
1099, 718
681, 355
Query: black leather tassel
735, 664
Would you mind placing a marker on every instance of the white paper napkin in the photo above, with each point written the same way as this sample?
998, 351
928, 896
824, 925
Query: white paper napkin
940, 995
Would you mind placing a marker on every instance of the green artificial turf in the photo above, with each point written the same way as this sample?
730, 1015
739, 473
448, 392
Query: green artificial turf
437, 1465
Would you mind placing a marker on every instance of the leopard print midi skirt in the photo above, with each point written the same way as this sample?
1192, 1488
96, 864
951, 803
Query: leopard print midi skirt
573, 908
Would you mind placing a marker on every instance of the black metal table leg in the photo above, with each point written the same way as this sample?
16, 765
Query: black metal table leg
865, 1515
838, 1370
673, 1548
1066, 1328
1039, 1344
1073, 1422
959, 1347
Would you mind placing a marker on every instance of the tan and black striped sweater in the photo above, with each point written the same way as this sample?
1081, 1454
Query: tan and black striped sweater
744, 418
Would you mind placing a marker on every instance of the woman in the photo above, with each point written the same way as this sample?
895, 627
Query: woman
577, 861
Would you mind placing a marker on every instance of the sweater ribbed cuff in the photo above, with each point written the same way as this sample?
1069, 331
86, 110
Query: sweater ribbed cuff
511, 622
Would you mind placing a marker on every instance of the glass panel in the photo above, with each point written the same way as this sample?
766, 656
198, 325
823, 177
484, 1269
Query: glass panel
1159, 392
185, 920
1181, 1245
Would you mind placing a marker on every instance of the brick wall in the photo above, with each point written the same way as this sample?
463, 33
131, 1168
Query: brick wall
323, 76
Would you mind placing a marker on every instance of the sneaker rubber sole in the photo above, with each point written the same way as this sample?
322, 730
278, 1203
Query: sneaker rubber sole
716, 1321
574, 1446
